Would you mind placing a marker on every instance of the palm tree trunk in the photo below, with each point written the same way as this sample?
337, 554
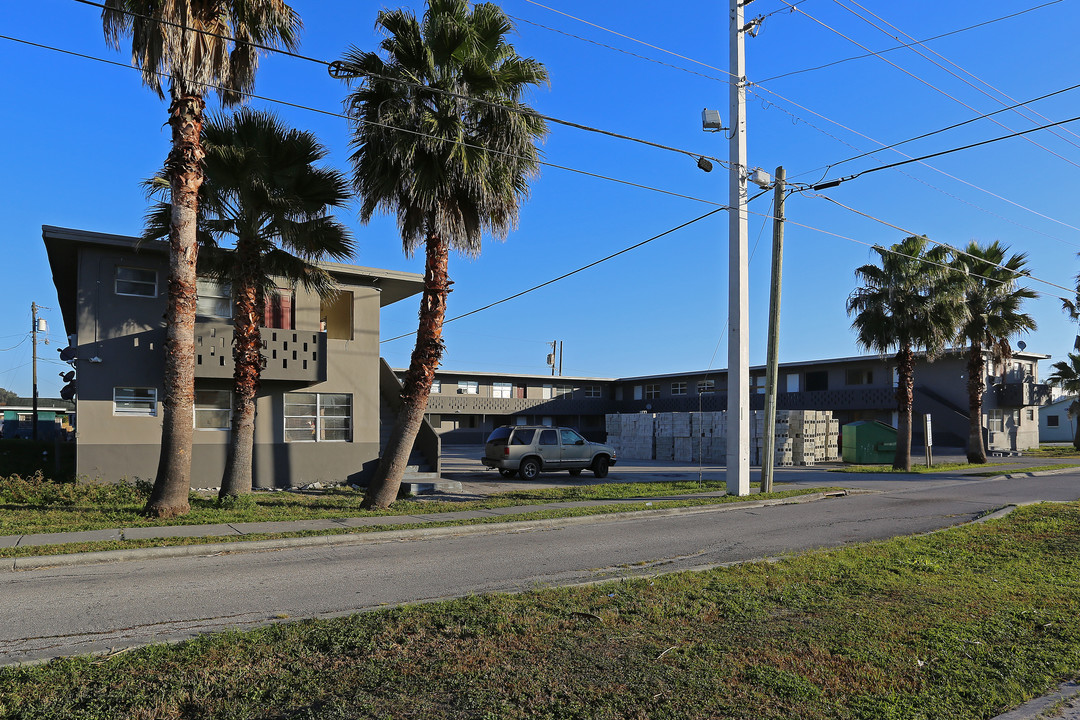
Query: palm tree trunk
976, 384
905, 394
383, 489
184, 170
247, 369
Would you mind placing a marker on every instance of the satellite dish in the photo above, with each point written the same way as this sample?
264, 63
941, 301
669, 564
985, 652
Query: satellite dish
1022, 345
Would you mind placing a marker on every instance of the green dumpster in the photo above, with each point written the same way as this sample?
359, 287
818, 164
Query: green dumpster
869, 442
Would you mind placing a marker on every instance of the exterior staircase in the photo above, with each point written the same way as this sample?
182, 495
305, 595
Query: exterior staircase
423, 473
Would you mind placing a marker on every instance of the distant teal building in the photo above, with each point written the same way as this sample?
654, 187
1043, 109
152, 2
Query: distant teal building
56, 419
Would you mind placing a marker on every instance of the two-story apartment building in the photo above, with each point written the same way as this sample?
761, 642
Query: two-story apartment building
464, 407
318, 411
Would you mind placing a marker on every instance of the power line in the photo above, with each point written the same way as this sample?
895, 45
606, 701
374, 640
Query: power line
947, 246
834, 183
632, 39
917, 42
751, 86
383, 125
914, 48
337, 67
925, 81
952, 127
572, 272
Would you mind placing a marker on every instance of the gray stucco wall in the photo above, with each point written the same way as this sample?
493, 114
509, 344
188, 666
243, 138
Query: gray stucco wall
126, 333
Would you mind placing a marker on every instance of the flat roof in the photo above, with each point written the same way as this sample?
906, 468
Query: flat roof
62, 245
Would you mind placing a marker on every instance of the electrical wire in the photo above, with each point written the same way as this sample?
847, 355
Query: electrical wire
833, 183
947, 246
572, 272
16, 344
752, 86
950, 127
928, 83
634, 39
468, 98
955, 65
383, 125
918, 42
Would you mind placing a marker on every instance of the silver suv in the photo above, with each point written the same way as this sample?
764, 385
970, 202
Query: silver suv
528, 450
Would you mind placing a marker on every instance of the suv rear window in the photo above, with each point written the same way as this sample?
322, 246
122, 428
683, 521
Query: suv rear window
523, 437
499, 436
548, 437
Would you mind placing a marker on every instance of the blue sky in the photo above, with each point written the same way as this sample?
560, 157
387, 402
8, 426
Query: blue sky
79, 135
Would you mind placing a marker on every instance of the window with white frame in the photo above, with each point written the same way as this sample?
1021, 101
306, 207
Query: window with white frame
593, 391
213, 409
318, 417
502, 390
214, 299
135, 401
547, 392
996, 421
436, 386
678, 388
140, 282
468, 387
1029, 414
563, 390
652, 391
706, 387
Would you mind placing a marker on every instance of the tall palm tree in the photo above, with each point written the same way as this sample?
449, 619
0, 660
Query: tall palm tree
911, 302
1066, 375
449, 167
993, 316
195, 44
261, 189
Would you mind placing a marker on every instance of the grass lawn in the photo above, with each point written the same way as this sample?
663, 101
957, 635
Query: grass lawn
38, 505
956, 624
1048, 451
915, 469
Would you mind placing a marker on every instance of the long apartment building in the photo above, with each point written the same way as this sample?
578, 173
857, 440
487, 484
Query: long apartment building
465, 406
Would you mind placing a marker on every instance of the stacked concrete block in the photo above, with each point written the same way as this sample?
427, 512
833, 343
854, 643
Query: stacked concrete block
801, 437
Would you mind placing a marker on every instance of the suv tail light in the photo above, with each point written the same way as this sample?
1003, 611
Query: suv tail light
506, 450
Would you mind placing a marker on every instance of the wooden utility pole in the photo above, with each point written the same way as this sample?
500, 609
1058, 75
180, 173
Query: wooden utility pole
772, 362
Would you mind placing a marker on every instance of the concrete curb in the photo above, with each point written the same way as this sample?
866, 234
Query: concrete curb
1047, 706
384, 536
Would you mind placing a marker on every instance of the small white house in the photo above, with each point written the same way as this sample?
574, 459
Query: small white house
1055, 425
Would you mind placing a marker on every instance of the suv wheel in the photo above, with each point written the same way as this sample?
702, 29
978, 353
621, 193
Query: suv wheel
600, 466
530, 469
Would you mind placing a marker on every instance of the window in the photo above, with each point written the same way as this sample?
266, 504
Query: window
547, 392
859, 377
135, 401
569, 437
215, 299
759, 385
996, 421
502, 390
278, 312
678, 388
336, 316
562, 390
1053, 420
26, 423
817, 381
468, 387
1030, 413
793, 382
436, 386
652, 392
318, 417
548, 437
706, 387
135, 281
523, 436
593, 391
213, 409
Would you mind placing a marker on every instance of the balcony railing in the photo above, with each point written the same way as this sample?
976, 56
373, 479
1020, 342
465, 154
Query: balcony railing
1020, 394
290, 355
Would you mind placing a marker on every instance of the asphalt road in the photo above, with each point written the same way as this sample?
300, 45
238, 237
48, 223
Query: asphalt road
51, 612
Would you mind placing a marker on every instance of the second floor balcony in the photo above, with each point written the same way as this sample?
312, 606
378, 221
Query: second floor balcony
289, 355
1021, 394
